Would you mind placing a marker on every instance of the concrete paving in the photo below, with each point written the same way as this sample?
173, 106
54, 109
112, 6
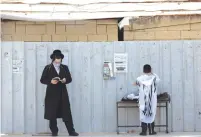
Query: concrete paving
183, 134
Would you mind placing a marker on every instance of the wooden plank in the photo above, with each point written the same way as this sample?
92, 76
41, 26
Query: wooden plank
156, 63
121, 88
41, 62
197, 81
30, 87
98, 91
158, 69
165, 77
18, 87
144, 54
177, 86
50, 48
134, 62
126, 87
85, 87
188, 92
144, 58
85, 92
137, 71
109, 97
7, 94
133, 73
66, 51
1, 77
76, 72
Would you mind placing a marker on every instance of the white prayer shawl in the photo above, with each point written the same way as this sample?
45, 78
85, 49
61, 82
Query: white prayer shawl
147, 97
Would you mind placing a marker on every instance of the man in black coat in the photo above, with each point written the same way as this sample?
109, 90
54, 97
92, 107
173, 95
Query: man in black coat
57, 105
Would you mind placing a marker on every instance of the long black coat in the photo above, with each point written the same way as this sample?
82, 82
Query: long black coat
57, 103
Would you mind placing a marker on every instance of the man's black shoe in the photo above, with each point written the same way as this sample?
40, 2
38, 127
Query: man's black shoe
74, 134
143, 134
54, 134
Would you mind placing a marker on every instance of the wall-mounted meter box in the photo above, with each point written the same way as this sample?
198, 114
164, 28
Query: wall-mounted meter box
107, 70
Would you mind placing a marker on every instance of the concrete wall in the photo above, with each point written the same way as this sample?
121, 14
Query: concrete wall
91, 30
93, 100
164, 28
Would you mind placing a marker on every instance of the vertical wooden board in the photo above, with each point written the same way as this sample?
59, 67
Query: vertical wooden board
64, 47
188, 92
158, 69
177, 85
144, 54
76, 72
197, 85
165, 76
121, 88
108, 91
0, 86
97, 94
137, 71
41, 58
155, 62
50, 48
66, 51
7, 96
85, 50
133, 67
18, 87
132, 113
144, 58
69, 60
30, 87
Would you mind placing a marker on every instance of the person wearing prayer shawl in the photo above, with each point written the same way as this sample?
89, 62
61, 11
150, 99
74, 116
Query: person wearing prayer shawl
57, 105
147, 84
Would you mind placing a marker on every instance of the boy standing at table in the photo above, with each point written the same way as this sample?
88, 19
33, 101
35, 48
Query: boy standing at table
147, 84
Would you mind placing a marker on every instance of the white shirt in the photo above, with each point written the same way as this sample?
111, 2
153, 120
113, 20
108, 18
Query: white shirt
57, 67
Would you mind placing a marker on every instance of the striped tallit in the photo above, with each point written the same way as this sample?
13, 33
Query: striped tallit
147, 97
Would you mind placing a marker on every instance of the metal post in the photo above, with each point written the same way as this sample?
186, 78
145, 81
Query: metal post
166, 116
117, 118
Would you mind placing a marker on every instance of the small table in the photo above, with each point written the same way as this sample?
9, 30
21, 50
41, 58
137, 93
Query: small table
161, 103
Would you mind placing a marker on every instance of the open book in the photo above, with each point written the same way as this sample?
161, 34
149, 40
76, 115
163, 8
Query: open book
57, 78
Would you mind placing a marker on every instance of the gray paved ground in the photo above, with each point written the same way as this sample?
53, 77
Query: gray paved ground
185, 134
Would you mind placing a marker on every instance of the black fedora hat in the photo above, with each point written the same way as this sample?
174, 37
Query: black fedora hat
57, 53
